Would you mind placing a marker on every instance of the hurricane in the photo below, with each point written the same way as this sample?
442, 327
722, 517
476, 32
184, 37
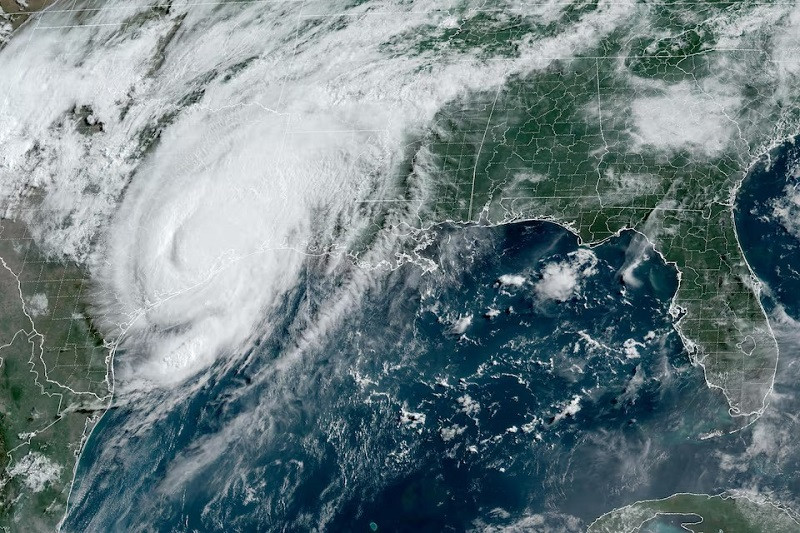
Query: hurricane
405, 265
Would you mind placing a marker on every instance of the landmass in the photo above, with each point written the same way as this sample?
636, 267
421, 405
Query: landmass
701, 513
54, 380
54, 367
13, 13
642, 131
651, 127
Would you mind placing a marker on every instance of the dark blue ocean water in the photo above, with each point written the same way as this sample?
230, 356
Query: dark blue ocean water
445, 400
771, 249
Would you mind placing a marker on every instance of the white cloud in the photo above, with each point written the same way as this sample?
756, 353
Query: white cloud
217, 217
558, 282
5, 28
570, 409
682, 116
449, 433
561, 280
631, 348
511, 280
414, 420
36, 471
37, 304
469, 406
786, 209
461, 325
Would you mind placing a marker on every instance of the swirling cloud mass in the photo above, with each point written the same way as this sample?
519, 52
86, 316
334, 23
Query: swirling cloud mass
206, 162
226, 147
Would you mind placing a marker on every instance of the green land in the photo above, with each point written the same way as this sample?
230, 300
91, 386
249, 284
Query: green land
54, 367
558, 143
562, 144
701, 513
54, 381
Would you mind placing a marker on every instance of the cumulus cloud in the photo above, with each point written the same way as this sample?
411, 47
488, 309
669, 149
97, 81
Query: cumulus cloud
37, 304
461, 325
551, 522
511, 280
569, 410
683, 116
561, 280
631, 348
35, 471
786, 209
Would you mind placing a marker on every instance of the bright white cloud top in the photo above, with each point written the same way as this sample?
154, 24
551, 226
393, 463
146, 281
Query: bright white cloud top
227, 148
242, 181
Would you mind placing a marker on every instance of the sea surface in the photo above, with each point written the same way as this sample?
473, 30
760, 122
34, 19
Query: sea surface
768, 222
507, 376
